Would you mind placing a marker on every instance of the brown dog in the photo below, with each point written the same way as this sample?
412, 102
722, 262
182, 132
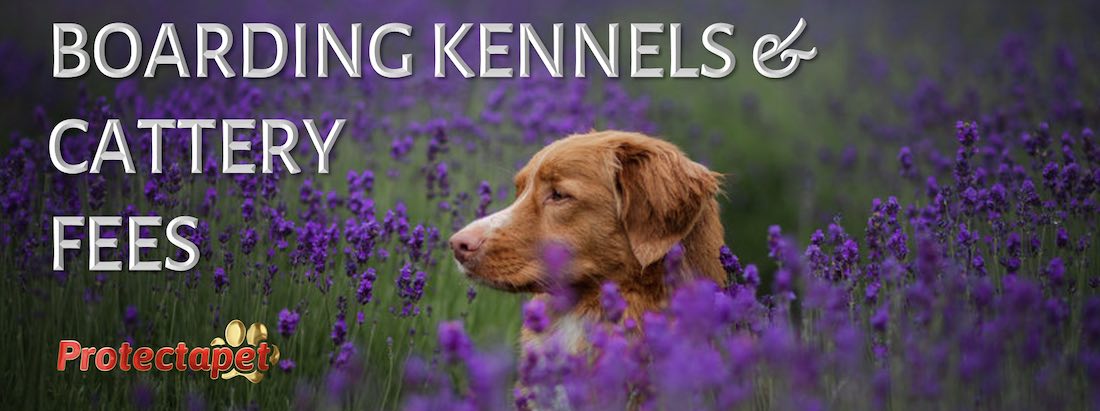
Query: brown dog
619, 202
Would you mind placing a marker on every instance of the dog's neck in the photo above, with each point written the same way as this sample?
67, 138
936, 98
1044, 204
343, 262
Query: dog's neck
648, 290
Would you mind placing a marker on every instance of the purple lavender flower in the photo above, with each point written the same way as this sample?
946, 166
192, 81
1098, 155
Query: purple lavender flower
1062, 238
410, 288
534, 315
817, 238
729, 261
966, 133
898, 245
364, 293
453, 340
288, 322
612, 302
880, 319
344, 355
674, 260
438, 143
752, 275
221, 280
248, 240
362, 183
247, 209
339, 330
485, 198
400, 147
775, 236
905, 158
1056, 272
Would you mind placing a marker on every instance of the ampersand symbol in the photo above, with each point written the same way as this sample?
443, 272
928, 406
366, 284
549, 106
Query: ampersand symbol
780, 47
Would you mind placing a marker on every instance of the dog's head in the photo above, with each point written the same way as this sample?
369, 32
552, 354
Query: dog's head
618, 201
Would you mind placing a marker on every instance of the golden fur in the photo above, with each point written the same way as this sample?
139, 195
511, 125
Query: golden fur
618, 201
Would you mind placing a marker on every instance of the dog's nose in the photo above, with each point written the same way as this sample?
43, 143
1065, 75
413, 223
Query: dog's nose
465, 242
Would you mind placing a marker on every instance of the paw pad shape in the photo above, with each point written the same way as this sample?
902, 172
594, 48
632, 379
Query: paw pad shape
235, 336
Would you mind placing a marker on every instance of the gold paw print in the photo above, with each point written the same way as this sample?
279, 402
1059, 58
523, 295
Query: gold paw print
235, 335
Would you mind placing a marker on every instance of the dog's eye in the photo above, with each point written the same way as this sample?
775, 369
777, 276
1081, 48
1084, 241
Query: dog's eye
557, 196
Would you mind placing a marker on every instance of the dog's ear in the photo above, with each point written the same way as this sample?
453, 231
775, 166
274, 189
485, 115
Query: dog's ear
662, 195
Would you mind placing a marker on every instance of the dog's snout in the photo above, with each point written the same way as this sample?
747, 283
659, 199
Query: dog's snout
466, 242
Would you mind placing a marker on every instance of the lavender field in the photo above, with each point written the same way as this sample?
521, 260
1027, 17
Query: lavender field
911, 223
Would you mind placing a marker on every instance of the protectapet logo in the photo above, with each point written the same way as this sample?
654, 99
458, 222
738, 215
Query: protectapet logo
241, 353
